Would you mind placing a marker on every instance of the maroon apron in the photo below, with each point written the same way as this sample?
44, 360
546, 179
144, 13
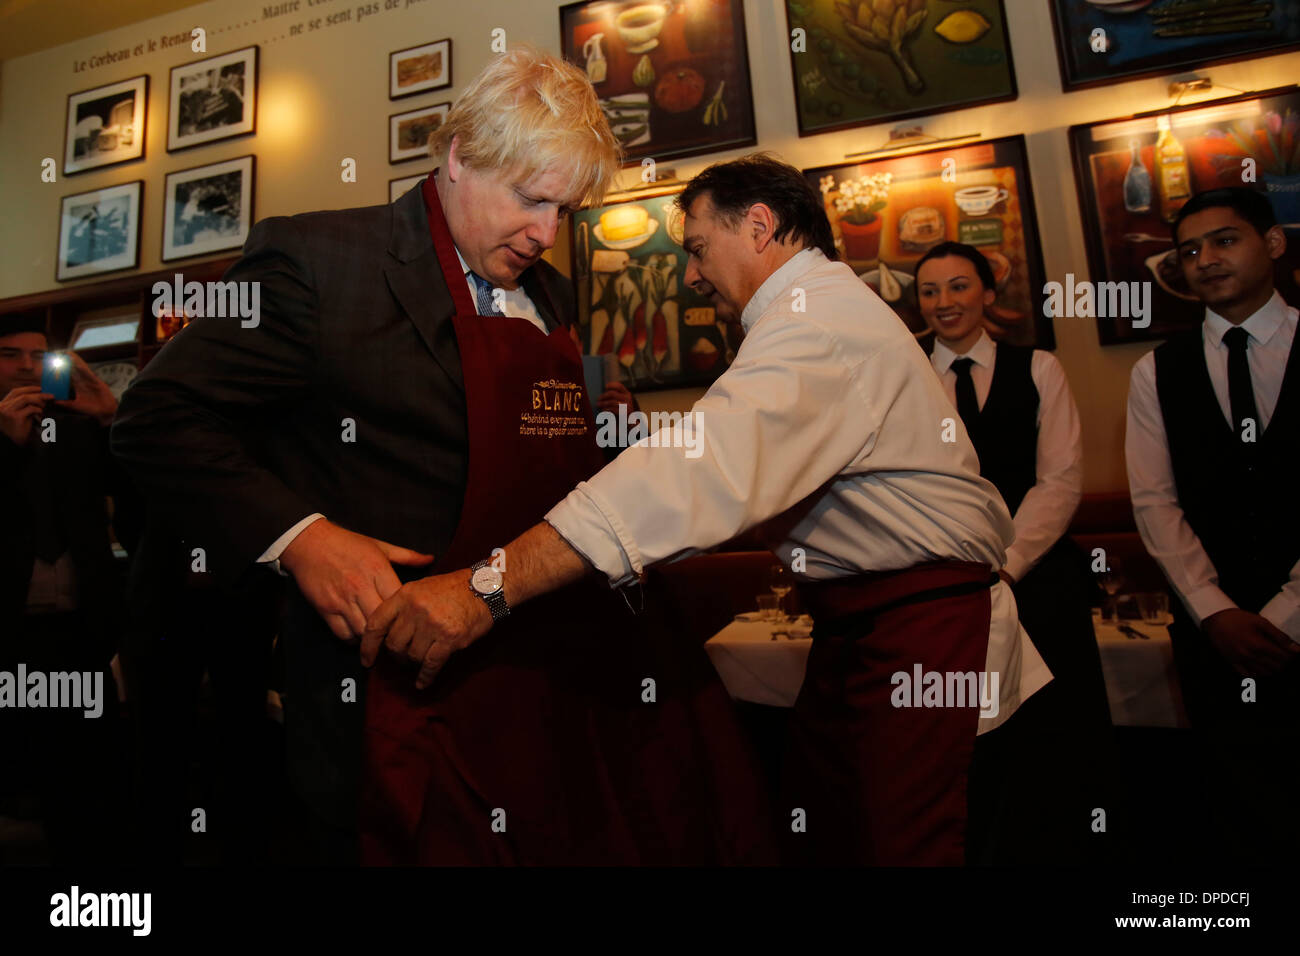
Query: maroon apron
534, 745
884, 785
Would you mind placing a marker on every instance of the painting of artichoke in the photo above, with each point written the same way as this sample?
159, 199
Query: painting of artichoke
886, 26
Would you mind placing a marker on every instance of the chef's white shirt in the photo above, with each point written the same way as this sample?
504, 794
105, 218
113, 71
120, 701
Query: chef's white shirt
831, 424
1048, 507
1160, 521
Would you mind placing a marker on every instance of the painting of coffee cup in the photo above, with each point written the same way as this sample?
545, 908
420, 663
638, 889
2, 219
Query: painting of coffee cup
1169, 274
977, 200
639, 26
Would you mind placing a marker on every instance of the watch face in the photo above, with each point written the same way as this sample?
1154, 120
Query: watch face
486, 580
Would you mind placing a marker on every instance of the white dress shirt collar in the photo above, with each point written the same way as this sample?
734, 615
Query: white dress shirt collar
778, 282
983, 352
1261, 326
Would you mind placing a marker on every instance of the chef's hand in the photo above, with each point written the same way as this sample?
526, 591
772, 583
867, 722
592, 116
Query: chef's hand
20, 409
94, 397
1250, 643
427, 621
345, 575
614, 395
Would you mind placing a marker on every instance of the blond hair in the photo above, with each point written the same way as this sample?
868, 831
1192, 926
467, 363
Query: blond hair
528, 111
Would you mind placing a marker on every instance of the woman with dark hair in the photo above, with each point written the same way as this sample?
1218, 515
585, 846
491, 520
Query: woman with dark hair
1017, 408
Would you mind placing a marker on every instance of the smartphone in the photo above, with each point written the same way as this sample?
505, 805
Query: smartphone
56, 375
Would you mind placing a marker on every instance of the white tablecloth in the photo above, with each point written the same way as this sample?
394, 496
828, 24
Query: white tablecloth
756, 668
1141, 683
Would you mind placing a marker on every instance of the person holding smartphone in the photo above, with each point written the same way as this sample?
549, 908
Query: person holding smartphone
60, 598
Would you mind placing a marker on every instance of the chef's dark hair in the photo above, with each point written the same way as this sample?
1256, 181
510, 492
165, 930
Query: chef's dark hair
945, 249
1250, 205
733, 187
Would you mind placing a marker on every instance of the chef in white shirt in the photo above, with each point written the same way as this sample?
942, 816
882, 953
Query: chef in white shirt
1019, 412
1213, 450
831, 430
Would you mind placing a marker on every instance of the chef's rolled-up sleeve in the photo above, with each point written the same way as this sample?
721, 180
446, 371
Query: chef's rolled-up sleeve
787, 417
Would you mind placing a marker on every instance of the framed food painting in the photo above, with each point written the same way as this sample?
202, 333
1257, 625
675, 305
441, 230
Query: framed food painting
672, 75
1134, 174
419, 69
1109, 41
866, 61
409, 132
887, 213
630, 277
397, 188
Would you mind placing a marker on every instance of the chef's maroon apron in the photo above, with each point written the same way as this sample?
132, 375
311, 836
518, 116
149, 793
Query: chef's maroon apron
885, 785
536, 745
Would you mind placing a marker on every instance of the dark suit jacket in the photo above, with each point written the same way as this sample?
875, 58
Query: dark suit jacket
83, 475
238, 433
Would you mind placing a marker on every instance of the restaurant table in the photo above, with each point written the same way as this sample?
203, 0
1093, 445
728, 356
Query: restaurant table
1141, 683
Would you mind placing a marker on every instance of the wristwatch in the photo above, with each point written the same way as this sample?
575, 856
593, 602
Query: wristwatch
489, 584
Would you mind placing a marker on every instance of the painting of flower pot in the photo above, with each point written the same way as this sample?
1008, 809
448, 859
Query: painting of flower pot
1134, 174
857, 62
885, 214
858, 204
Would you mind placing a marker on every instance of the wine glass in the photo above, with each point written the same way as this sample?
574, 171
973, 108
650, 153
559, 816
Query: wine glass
780, 582
1112, 581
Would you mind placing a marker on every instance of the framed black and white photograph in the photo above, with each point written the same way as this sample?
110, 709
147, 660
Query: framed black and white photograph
397, 188
212, 99
105, 125
99, 231
418, 69
408, 133
207, 209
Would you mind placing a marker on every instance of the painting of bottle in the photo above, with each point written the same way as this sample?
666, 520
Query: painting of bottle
1175, 176
1137, 183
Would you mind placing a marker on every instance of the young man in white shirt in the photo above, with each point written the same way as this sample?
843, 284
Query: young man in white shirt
1213, 447
831, 430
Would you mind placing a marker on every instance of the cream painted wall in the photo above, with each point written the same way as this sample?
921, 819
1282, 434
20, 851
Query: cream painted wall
323, 97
